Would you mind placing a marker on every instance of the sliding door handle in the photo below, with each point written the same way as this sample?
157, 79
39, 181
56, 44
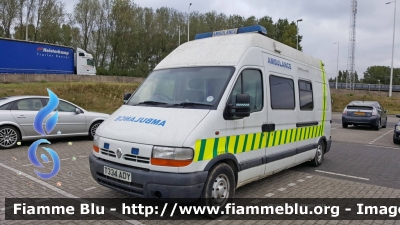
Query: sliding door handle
268, 127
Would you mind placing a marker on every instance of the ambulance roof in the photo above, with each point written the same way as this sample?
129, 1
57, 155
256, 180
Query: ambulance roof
227, 50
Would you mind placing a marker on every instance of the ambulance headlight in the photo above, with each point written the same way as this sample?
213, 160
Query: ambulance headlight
168, 156
96, 143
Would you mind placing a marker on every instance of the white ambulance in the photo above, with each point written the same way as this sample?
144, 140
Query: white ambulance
224, 110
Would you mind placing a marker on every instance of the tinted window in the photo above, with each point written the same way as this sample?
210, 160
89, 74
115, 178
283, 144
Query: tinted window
282, 93
66, 107
6, 106
306, 95
252, 85
29, 104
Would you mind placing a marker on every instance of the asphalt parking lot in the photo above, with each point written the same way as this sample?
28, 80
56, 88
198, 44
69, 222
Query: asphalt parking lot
362, 163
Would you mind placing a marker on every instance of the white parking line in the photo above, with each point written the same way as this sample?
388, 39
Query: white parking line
88, 189
66, 194
64, 159
343, 175
269, 195
281, 189
27, 165
82, 156
380, 146
292, 184
390, 131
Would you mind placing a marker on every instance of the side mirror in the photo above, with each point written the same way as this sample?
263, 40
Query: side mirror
126, 97
77, 111
242, 106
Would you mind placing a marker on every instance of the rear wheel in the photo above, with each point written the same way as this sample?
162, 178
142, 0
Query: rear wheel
93, 128
345, 125
219, 188
319, 155
379, 125
9, 137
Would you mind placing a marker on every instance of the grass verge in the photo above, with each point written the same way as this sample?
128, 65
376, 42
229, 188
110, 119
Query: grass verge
108, 97
99, 97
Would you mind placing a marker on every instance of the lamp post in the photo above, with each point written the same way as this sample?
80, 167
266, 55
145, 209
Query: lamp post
379, 82
179, 34
394, 31
299, 20
337, 65
189, 20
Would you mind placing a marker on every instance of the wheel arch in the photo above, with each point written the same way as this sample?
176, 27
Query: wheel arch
229, 159
16, 126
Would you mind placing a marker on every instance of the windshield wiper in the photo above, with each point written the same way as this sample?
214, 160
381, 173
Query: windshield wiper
191, 103
151, 103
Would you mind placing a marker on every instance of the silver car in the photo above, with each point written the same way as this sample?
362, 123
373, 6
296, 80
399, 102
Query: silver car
18, 113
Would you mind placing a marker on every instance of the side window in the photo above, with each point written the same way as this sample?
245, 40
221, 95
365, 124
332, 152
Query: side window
90, 62
66, 107
81, 54
249, 82
29, 104
306, 95
6, 106
282, 93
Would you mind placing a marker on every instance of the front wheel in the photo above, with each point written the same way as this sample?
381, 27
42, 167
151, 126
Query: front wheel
93, 128
345, 125
219, 188
9, 137
319, 155
384, 126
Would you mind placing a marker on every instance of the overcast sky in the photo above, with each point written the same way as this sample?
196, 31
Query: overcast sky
324, 22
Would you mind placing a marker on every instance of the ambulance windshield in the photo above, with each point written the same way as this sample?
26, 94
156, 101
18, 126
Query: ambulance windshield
183, 87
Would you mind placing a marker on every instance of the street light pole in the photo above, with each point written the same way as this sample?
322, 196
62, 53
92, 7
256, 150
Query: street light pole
394, 32
337, 66
179, 33
299, 20
189, 20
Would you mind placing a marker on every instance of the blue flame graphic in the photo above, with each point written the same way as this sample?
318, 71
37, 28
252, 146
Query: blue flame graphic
44, 112
32, 157
38, 126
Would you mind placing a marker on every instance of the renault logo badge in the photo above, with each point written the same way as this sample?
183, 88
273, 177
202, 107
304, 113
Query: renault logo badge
119, 153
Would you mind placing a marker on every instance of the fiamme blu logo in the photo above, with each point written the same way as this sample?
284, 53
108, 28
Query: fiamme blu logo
45, 128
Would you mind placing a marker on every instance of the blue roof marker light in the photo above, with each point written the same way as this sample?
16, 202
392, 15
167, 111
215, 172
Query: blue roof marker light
257, 28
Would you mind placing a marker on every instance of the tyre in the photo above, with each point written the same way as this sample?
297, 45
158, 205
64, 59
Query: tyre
379, 126
319, 154
9, 137
219, 188
384, 126
345, 125
396, 141
93, 128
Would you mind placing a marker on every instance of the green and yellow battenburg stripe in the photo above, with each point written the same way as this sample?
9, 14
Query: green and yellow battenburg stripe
207, 149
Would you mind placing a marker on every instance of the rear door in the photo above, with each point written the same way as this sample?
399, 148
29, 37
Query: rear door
24, 112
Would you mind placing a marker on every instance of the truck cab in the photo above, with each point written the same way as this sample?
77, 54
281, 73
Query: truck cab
84, 63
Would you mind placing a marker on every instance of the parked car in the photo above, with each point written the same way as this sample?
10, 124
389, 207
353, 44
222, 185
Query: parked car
369, 113
18, 113
396, 134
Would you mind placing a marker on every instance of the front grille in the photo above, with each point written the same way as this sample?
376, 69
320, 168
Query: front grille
108, 152
135, 158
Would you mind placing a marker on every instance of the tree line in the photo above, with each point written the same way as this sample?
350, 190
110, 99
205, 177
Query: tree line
124, 38
373, 75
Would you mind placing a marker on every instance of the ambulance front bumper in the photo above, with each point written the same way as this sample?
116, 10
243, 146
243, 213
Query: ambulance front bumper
150, 184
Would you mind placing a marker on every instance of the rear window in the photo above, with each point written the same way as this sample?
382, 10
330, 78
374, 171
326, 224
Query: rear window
360, 107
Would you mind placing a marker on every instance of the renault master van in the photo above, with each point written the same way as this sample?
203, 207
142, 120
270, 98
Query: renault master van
226, 109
